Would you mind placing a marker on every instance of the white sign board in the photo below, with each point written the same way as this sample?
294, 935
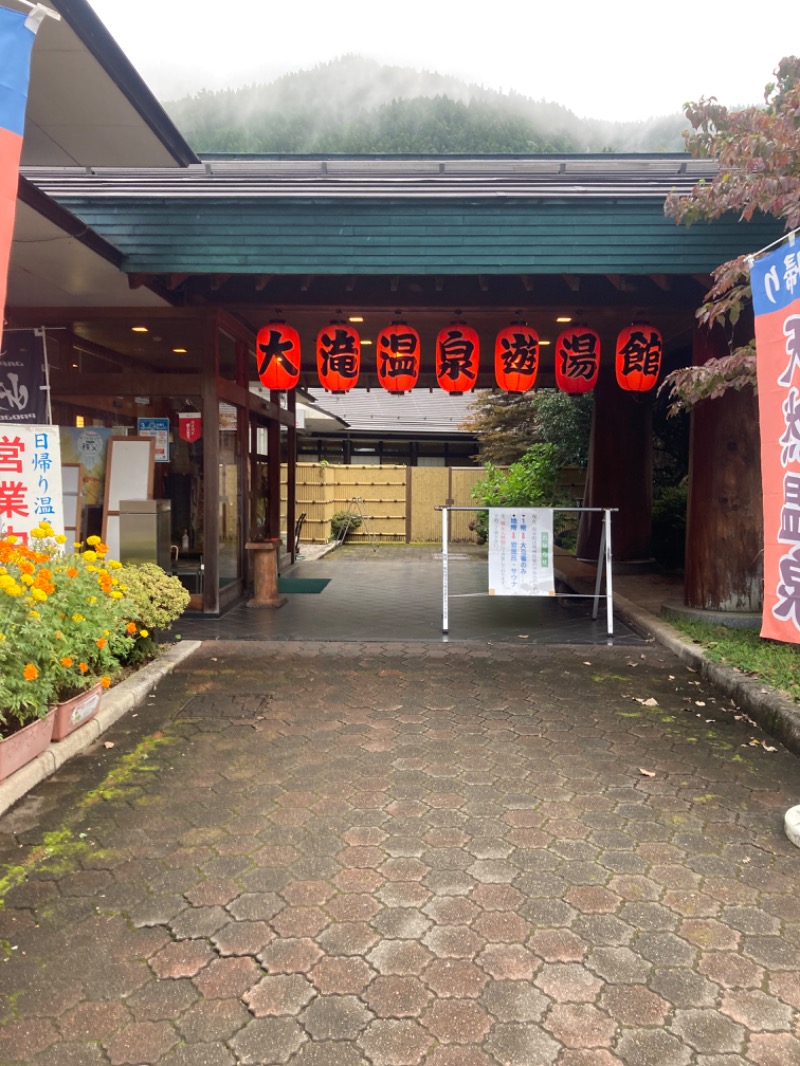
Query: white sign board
521, 551
30, 479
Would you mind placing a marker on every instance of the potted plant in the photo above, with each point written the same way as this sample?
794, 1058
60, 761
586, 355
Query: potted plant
67, 629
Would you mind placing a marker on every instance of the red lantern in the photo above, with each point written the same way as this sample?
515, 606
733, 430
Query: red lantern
338, 357
516, 357
457, 358
577, 359
398, 354
278, 356
639, 350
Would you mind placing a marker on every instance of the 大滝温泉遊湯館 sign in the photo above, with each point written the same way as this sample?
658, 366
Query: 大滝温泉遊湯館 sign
775, 280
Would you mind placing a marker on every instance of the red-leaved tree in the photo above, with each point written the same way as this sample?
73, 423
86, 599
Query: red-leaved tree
758, 151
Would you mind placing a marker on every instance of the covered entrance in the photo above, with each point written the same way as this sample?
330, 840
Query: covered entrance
225, 246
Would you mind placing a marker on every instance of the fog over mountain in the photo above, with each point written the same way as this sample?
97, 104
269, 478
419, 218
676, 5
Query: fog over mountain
356, 105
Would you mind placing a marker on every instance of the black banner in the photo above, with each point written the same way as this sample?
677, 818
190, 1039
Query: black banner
22, 398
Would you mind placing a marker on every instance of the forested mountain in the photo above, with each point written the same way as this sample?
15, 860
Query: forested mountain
356, 105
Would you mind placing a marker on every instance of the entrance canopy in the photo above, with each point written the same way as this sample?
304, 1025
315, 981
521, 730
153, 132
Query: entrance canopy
427, 239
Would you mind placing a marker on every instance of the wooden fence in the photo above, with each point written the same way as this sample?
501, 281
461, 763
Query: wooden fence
398, 502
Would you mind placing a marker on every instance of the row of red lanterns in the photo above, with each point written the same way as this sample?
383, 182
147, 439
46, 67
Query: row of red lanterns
516, 357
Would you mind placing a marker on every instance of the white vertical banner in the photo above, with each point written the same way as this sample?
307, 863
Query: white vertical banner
30, 479
521, 551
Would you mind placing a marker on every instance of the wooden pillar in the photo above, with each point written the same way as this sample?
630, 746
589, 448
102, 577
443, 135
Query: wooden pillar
291, 475
273, 522
210, 406
724, 538
620, 469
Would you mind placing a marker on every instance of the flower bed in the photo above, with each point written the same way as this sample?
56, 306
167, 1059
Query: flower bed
71, 620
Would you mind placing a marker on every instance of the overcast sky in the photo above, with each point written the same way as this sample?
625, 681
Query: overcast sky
623, 59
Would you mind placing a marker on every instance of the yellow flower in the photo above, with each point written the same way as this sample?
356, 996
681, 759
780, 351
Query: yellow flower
34, 614
93, 540
30, 673
114, 564
38, 595
90, 556
61, 539
144, 633
115, 595
26, 579
78, 617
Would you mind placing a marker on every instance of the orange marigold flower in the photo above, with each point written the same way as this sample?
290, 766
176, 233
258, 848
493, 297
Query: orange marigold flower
31, 672
101, 642
83, 667
105, 681
66, 661
72, 572
131, 627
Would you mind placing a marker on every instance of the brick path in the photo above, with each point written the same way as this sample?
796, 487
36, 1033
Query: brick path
385, 855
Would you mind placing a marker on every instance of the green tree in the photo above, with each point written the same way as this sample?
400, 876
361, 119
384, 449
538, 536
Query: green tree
758, 151
507, 424
530, 482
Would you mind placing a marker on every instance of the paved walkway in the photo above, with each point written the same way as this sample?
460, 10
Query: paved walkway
388, 854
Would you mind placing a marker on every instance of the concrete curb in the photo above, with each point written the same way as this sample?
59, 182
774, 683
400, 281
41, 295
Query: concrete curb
775, 713
116, 702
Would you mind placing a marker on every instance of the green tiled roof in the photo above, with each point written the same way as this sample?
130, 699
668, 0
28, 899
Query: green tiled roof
363, 216
368, 237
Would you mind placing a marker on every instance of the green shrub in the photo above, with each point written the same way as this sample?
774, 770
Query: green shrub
156, 599
530, 482
342, 523
669, 527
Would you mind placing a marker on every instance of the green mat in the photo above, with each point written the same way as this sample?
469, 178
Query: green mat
302, 584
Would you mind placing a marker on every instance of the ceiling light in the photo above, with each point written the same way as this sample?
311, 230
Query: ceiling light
356, 318
79, 421
543, 343
564, 318
180, 351
139, 329
363, 342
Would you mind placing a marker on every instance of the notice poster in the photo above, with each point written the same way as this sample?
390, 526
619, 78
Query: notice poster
158, 429
775, 280
30, 479
521, 551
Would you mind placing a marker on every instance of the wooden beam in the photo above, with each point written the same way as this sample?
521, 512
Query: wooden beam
174, 281
219, 281
619, 283
262, 281
662, 281
572, 281
66, 383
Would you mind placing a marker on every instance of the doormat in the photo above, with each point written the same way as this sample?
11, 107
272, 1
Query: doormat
302, 584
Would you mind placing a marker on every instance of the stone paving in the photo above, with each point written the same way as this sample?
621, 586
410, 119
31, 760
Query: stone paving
332, 854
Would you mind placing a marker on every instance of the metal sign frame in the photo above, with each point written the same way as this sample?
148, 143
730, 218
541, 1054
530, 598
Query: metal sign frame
603, 566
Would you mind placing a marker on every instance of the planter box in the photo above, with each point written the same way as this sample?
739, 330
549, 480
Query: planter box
73, 713
24, 745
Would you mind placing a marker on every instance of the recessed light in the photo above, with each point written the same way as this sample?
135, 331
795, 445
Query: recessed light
139, 329
564, 318
356, 318
365, 341
180, 351
542, 344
